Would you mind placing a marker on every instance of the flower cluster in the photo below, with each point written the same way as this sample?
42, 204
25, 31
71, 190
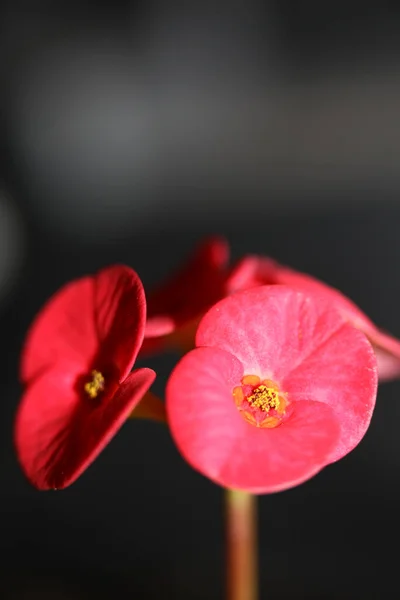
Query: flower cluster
277, 379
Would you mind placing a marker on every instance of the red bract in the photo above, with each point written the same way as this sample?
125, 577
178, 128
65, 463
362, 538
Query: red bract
76, 363
174, 308
257, 270
278, 387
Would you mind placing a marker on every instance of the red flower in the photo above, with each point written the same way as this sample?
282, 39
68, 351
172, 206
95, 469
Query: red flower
175, 308
76, 363
278, 387
257, 270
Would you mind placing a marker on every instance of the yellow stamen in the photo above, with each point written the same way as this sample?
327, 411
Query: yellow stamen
265, 406
95, 385
264, 398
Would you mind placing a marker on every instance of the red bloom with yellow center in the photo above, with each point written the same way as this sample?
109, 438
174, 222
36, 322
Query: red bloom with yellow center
257, 270
76, 365
175, 307
279, 386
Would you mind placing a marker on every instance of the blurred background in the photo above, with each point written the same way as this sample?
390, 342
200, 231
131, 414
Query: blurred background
128, 131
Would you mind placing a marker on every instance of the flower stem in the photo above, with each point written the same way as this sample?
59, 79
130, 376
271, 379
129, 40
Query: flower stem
241, 540
150, 407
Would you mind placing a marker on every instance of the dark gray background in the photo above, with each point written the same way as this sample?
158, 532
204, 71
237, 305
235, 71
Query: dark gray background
128, 132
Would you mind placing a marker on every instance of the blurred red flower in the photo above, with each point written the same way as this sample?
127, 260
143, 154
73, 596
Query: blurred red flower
279, 386
175, 307
252, 271
76, 366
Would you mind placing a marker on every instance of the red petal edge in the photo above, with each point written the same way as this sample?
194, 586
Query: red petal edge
57, 436
120, 316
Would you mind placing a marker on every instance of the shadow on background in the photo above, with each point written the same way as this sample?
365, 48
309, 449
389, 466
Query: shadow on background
131, 132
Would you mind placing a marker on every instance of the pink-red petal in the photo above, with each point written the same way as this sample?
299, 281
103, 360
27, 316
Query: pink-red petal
63, 330
253, 271
98, 319
214, 438
304, 345
120, 317
58, 434
342, 373
270, 329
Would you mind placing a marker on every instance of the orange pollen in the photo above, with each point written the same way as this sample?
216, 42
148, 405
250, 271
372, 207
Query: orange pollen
95, 385
264, 398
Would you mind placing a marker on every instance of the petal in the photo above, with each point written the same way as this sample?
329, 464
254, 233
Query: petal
215, 439
306, 283
341, 373
298, 341
387, 351
270, 329
63, 330
191, 291
257, 270
158, 326
106, 310
58, 434
120, 316
252, 271
387, 348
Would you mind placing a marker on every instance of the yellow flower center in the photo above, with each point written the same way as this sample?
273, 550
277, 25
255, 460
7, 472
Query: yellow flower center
95, 385
264, 398
264, 405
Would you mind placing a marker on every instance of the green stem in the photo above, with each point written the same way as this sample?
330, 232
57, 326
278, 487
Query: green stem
241, 544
